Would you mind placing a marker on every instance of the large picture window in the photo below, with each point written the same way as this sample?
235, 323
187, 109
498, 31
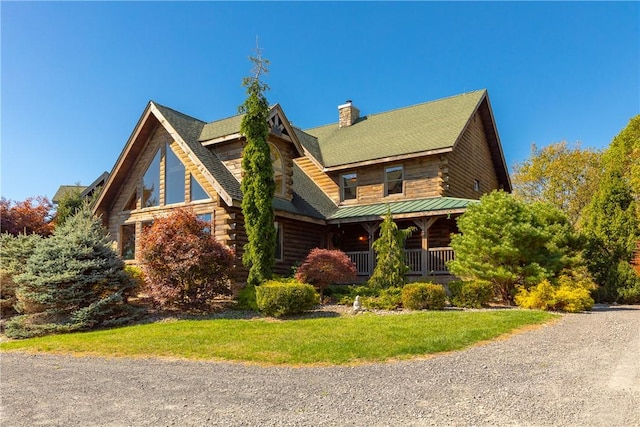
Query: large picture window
174, 178
151, 183
393, 180
348, 186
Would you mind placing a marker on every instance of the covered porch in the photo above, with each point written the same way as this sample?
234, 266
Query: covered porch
427, 251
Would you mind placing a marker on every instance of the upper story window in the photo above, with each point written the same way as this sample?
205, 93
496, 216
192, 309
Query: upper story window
348, 186
175, 177
476, 185
393, 180
151, 183
174, 173
278, 169
196, 192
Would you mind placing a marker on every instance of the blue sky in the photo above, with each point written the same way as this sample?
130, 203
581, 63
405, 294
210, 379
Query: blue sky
76, 76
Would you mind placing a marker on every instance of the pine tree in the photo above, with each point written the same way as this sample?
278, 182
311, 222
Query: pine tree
258, 184
73, 281
612, 229
389, 247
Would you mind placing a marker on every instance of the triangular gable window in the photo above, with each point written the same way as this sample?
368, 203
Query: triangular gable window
197, 192
133, 202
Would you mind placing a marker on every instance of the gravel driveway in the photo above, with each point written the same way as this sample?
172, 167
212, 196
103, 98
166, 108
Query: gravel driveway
581, 370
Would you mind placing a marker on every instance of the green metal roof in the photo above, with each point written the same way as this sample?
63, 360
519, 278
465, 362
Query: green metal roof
424, 127
423, 206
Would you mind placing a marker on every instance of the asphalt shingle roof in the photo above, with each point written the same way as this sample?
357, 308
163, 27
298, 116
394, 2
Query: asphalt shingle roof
190, 130
220, 128
424, 127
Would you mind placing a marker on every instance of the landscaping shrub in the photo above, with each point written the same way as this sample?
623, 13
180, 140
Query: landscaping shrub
73, 281
571, 294
247, 299
137, 275
184, 265
390, 266
471, 294
324, 267
384, 299
421, 296
14, 253
280, 298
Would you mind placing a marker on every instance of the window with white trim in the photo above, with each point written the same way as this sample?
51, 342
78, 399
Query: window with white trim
348, 186
393, 180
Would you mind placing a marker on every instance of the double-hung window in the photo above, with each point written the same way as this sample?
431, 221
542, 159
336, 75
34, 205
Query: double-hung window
393, 180
348, 186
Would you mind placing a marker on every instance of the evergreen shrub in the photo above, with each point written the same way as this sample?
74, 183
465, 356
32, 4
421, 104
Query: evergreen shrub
73, 281
246, 299
14, 253
423, 296
471, 294
384, 299
281, 298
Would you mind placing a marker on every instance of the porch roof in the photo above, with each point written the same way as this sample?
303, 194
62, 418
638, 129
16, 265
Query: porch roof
401, 209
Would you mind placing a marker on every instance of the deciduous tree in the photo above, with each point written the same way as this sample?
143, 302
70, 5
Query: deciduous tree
563, 175
323, 267
258, 184
33, 215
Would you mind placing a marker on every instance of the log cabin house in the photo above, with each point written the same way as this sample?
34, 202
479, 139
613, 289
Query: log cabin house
334, 183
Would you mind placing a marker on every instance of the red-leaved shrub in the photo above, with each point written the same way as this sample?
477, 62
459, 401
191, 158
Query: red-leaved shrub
323, 267
184, 265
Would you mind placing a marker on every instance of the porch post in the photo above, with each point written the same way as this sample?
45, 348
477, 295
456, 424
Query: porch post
371, 230
423, 225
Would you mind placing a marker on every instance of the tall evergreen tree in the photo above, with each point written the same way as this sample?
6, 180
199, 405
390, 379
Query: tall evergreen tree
389, 247
73, 281
612, 229
258, 184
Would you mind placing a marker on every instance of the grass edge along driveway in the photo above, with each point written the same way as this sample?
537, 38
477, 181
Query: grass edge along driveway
344, 340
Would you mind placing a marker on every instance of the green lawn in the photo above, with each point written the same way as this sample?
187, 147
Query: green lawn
338, 340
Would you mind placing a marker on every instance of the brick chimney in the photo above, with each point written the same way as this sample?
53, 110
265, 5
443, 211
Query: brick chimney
348, 114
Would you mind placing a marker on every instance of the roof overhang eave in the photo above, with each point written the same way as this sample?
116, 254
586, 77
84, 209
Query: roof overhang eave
387, 159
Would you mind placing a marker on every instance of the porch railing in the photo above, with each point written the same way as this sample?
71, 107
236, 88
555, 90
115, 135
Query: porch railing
437, 259
361, 260
413, 259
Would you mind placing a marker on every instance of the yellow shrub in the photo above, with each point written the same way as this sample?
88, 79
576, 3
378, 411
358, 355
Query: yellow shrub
571, 294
